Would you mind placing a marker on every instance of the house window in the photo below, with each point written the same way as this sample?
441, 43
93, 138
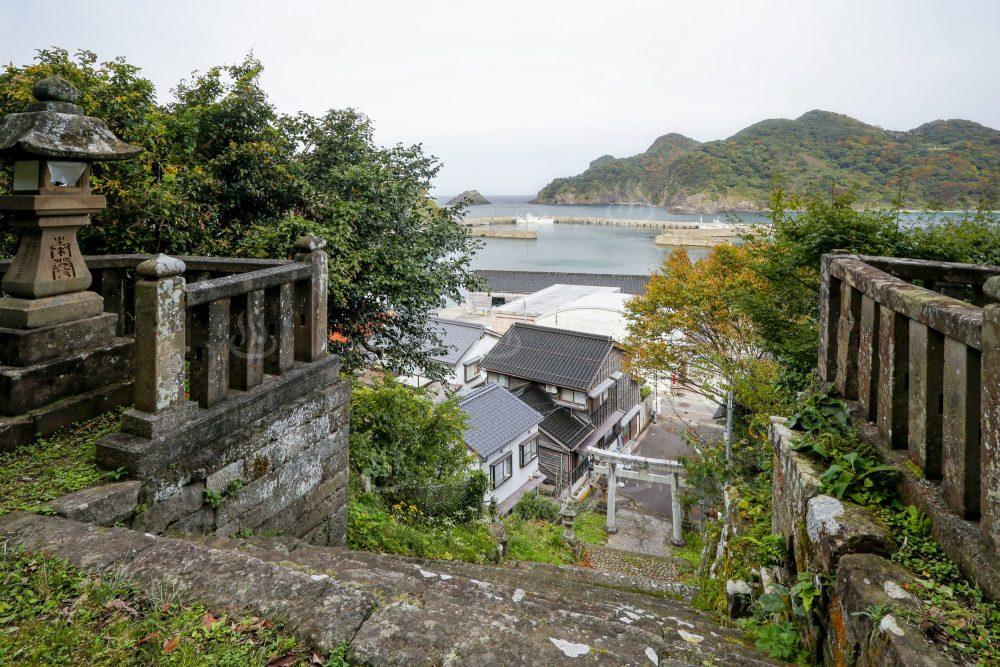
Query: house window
551, 388
472, 371
572, 396
497, 378
496, 301
529, 451
501, 471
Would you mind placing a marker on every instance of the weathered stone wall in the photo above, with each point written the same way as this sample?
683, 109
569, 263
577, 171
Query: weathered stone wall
844, 542
272, 461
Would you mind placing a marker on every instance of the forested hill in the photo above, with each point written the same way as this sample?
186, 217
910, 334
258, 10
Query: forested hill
944, 163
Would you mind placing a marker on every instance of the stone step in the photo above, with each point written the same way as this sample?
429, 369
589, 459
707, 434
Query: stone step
399, 611
322, 610
520, 614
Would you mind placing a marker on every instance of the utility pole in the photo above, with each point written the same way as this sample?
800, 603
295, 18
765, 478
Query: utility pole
656, 395
729, 424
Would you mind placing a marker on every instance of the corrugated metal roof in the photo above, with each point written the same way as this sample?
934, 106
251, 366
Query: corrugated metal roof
495, 417
549, 356
526, 282
550, 299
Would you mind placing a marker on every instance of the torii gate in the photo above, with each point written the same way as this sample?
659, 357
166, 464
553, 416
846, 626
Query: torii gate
643, 469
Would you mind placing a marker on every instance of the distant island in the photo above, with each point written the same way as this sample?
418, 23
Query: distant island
942, 164
470, 198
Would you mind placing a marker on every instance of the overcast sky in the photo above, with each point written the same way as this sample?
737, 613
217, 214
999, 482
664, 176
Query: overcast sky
512, 94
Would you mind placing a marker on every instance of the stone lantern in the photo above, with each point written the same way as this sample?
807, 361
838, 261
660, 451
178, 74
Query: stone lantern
567, 512
52, 146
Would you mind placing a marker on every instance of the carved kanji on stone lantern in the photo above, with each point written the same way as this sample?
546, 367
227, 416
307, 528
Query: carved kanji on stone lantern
52, 146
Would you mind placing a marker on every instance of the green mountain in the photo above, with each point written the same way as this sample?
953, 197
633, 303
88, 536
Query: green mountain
944, 163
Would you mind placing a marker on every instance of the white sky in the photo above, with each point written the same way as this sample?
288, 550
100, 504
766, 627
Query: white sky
512, 94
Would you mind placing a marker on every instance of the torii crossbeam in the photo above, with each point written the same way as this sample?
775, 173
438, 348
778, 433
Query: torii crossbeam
641, 468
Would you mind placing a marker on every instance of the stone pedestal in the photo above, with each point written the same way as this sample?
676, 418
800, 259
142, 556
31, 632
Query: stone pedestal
53, 376
19, 313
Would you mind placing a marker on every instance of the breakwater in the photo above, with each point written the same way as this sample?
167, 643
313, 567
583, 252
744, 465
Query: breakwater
503, 233
587, 220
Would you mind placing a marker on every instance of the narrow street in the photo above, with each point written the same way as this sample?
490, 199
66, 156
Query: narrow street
665, 439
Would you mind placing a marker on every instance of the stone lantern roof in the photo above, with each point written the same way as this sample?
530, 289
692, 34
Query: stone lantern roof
55, 127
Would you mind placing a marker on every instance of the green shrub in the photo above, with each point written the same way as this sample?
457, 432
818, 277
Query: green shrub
533, 505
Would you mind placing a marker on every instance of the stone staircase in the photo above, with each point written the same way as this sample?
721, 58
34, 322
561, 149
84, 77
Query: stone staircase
394, 610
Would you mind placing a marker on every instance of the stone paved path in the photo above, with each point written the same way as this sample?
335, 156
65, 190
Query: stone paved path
633, 565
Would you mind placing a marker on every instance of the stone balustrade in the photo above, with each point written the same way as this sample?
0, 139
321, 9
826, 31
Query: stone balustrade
242, 317
917, 344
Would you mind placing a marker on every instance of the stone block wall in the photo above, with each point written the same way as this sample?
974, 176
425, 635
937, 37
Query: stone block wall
846, 544
272, 460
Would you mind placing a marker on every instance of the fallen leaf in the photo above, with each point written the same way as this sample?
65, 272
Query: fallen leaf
148, 638
208, 620
316, 660
121, 605
169, 645
284, 661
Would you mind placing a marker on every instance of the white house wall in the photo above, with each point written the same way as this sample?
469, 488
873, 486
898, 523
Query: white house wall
519, 477
601, 321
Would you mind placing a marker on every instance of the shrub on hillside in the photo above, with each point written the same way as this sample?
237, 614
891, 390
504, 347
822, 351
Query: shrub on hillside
533, 506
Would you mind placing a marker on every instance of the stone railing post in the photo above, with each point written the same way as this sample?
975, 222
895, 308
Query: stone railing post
311, 336
159, 348
990, 479
829, 316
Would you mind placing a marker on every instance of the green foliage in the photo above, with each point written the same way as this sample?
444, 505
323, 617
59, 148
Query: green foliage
949, 163
644, 391
770, 549
537, 541
413, 451
589, 528
777, 615
973, 238
779, 640
212, 498
223, 173
402, 529
53, 466
855, 476
821, 411
52, 613
533, 505
400, 436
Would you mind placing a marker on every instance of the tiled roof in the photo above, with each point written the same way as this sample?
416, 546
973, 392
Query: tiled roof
549, 356
494, 417
526, 282
559, 421
457, 337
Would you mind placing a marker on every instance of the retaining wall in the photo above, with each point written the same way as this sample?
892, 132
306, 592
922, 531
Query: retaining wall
271, 460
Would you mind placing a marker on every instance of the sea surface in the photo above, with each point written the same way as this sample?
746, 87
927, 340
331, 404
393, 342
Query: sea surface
592, 248
579, 248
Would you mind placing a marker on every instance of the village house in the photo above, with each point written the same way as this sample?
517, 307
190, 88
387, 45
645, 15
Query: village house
541, 304
591, 309
502, 434
462, 347
504, 286
575, 381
